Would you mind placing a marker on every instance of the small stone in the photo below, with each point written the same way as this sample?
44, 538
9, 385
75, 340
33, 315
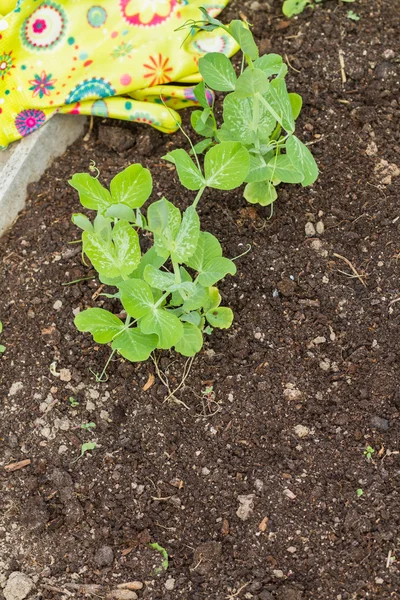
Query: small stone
287, 287
291, 392
319, 340
378, 580
385, 171
104, 556
18, 586
289, 494
62, 449
170, 584
292, 549
379, 423
131, 585
278, 573
57, 305
320, 227
246, 505
309, 229
259, 485
205, 471
90, 406
65, 375
301, 431
122, 595
119, 139
16, 387
105, 415
372, 149
325, 365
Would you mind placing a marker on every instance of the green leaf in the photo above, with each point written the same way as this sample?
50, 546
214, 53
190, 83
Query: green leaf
238, 119
250, 82
1, 327
203, 122
2, 349
121, 211
157, 216
296, 102
244, 38
352, 15
217, 71
226, 165
208, 247
221, 317
102, 226
201, 95
132, 186
186, 241
302, 159
163, 239
117, 258
149, 258
82, 222
258, 169
270, 64
191, 341
194, 317
294, 7
137, 298
195, 300
283, 169
188, 173
161, 280
216, 269
91, 193
102, 324
261, 192
214, 299
134, 345
165, 325
200, 147
278, 99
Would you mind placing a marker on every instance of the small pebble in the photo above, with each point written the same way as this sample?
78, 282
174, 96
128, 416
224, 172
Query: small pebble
16, 387
292, 549
57, 305
278, 573
379, 423
246, 506
205, 471
65, 375
104, 556
320, 227
301, 431
18, 586
309, 229
170, 584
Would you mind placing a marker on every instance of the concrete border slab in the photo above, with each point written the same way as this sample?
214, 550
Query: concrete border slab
26, 160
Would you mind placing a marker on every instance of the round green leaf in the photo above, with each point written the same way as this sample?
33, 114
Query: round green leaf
132, 186
191, 341
91, 193
220, 317
302, 160
102, 324
165, 325
262, 192
136, 297
134, 345
217, 72
226, 165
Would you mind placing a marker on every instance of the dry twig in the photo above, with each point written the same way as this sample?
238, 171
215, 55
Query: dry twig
18, 465
356, 273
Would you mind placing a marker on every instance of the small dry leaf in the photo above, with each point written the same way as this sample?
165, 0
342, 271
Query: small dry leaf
225, 527
130, 585
178, 483
18, 465
263, 525
149, 382
381, 451
126, 551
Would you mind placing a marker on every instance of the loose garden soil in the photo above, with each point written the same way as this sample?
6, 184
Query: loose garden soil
305, 380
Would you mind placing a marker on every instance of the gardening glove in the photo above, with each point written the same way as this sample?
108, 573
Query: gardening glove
123, 60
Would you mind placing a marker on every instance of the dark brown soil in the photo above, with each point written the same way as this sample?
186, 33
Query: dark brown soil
312, 345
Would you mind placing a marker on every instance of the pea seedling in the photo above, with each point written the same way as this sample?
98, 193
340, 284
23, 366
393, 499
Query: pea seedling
258, 124
290, 8
73, 402
169, 293
2, 348
368, 452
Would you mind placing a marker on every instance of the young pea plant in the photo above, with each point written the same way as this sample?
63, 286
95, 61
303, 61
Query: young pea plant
169, 292
258, 122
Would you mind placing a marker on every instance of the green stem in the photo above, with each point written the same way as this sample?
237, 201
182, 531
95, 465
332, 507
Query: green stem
199, 195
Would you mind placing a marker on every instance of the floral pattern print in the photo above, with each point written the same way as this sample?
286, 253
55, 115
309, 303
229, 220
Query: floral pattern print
147, 13
45, 28
42, 85
158, 70
29, 120
83, 57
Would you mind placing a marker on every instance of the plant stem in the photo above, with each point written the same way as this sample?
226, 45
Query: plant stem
199, 195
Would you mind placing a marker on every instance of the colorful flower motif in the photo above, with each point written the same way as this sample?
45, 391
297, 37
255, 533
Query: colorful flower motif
42, 84
29, 120
124, 49
189, 95
144, 117
147, 13
158, 70
6, 64
45, 27
214, 9
220, 43
96, 16
99, 109
90, 89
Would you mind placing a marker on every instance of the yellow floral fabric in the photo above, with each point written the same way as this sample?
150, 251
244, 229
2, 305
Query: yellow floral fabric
109, 58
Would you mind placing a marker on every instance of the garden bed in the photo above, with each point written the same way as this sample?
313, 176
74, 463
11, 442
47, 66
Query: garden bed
304, 381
